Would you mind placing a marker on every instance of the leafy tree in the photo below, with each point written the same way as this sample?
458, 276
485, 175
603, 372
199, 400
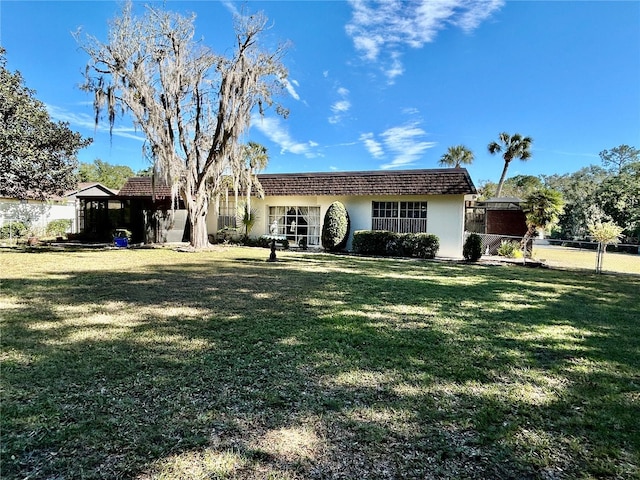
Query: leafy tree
37, 155
192, 104
616, 158
579, 193
456, 156
619, 198
145, 172
486, 189
111, 176
605, 234
512, 147
519, 186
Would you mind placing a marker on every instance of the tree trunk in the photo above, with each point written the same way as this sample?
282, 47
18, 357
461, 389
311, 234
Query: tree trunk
199, 236
531, 230
599, 256
502, 178
198, 207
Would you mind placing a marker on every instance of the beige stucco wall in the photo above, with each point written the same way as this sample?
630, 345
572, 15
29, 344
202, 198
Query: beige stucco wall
445, 215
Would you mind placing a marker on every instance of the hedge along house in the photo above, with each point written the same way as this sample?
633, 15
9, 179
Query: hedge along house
294, 205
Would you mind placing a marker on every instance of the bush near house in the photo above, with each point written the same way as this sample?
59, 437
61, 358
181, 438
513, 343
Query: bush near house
384, 243
335, 229
13, 230
57, 228
510, 249
472, 249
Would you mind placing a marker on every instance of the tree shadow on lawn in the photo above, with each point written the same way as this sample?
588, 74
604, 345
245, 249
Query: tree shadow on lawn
379, 369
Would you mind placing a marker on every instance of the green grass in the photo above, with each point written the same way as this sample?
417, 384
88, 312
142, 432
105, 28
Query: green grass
573, 258
155, 364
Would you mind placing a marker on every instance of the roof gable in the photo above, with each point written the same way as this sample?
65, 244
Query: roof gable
94, 190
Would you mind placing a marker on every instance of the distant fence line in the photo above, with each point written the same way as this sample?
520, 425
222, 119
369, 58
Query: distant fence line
491, 243
621, 258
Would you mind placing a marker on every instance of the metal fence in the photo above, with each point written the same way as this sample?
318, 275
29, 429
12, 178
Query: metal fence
583, 255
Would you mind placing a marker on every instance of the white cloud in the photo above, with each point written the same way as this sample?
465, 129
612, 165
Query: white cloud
379, 26
274, 130
86, 121
340, 107
289, 85
373, 146
404, 143
395, 69
229, 5
410, 111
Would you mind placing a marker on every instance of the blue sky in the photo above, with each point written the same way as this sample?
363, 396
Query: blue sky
389, 84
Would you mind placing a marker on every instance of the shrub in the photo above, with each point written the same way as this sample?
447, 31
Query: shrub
265, 242
509, 249
472, 249
371, 242
335, 229
378, 242
302, 243
426, 245
257, 242
13, 230
57, 228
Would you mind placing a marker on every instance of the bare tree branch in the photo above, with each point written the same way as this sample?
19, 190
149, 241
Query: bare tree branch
192, 105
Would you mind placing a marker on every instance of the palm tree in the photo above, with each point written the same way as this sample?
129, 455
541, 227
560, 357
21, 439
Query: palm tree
542, 209
252, 158
255, 158
511, 146
456, 156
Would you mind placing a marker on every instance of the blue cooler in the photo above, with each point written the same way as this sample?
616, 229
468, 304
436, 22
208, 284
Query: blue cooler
122, 242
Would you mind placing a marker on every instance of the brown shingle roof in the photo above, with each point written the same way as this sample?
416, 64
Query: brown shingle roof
449, 181
446, 181
141, 187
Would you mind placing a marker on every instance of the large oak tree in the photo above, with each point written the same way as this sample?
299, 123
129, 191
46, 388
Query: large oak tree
192, 104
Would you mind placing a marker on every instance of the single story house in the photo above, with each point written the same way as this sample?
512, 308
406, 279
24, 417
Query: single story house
430, 200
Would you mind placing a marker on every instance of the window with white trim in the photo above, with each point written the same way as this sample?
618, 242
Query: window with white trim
296, 223
399, 217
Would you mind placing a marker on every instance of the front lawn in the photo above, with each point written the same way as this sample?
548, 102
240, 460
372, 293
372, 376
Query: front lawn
159, 364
